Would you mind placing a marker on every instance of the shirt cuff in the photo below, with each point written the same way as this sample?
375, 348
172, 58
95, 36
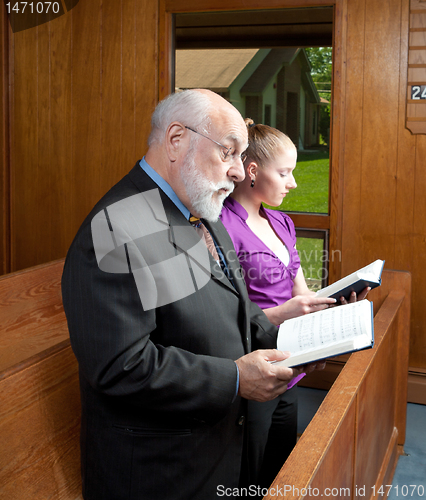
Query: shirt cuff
238, 382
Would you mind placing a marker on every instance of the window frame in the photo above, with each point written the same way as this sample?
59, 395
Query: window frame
332, 222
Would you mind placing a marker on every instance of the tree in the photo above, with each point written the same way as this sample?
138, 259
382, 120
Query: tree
321, 72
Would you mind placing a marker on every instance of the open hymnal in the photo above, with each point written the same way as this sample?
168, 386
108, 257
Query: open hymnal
356, 282
326, 333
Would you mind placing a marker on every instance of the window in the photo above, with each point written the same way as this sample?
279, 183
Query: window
261, 61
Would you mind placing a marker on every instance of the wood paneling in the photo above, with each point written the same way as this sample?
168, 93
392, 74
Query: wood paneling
80, 118
416, 109
378, 393
337, 133
267, 28
342, 447
224, 5
40, 455
406, 255
39, 390
340, 452
4, 138
416, 241
311, 221
383, 208
83, 86
32, 318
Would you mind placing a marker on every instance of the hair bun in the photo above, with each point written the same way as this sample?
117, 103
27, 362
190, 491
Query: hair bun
249, 122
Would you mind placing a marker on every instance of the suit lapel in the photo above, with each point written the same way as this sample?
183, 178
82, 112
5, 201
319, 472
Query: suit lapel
182, 234
222, 238
185, 240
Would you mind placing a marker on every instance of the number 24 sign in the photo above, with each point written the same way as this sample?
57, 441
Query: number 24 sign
418, 92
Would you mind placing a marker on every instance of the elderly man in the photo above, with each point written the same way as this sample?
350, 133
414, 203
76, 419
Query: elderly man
161, 326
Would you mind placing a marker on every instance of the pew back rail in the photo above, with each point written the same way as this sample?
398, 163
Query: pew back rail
352, 442
351, 446
40, 401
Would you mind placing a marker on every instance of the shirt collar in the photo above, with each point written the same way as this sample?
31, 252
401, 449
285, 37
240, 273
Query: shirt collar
236, 207
164, 186
239, 210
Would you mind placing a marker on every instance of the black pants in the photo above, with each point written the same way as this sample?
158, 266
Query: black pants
272, 434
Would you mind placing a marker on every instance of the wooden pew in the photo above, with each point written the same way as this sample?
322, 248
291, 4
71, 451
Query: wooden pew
353, 442
39, 394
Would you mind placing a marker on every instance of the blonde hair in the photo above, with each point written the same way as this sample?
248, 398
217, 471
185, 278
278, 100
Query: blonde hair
265, 142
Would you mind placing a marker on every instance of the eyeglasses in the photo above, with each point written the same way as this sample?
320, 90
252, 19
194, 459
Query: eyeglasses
227, 155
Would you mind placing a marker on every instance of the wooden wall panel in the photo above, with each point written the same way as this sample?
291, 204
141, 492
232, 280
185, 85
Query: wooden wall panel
84, 85
383, 206
40, 425
336, 469
372, 183
416, 263
351, 166
379, 130
337, 134
406, 160
409, 231
60, 140
87, 100
376, 403
4, 138
83, 88
24, 142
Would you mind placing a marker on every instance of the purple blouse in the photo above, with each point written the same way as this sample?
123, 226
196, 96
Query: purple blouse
269, 281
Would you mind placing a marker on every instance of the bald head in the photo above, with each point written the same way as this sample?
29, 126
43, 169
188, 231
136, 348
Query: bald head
195, 145
197, 108
218, 104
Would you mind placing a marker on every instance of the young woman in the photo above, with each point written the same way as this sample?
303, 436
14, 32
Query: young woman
265, 243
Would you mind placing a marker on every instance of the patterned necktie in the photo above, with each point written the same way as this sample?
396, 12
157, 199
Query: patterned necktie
207, 237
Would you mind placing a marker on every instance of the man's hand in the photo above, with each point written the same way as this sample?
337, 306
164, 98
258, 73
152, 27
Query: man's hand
263, 381
354, 297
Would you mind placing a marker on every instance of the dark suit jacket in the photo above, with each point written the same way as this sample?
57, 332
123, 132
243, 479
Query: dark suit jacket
159, 414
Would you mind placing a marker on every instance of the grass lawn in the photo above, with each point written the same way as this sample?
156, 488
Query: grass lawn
311, 194
311, 253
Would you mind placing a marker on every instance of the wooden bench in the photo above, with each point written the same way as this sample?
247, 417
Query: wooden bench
351, 446
39, 394
353, 441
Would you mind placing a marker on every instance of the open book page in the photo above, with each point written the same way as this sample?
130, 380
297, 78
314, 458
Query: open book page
329, 332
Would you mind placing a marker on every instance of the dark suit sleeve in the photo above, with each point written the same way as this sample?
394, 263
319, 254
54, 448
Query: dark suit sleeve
122, 349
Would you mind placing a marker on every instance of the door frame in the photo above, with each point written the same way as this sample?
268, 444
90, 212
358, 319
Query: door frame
333, 221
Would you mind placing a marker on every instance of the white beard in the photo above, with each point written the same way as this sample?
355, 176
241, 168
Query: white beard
200, 190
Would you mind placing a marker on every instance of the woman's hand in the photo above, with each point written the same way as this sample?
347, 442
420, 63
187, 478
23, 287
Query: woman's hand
298, 306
